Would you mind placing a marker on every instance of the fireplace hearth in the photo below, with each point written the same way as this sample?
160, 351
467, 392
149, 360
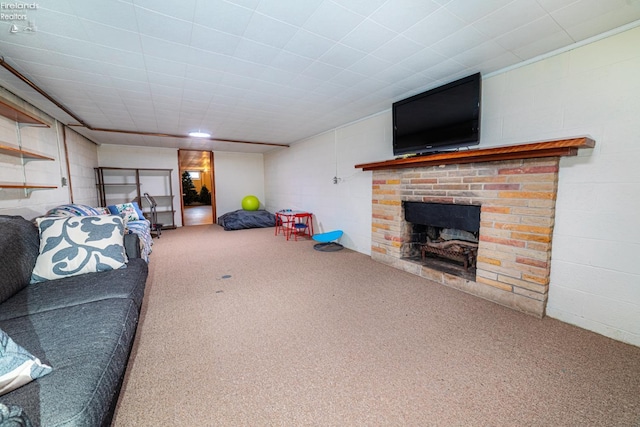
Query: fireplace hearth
513, 190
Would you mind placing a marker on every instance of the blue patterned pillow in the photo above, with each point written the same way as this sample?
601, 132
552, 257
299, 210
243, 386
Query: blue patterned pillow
79, 245
73, 209
129, 211
17, 366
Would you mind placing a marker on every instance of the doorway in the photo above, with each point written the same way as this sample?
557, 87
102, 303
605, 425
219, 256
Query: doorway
198, 201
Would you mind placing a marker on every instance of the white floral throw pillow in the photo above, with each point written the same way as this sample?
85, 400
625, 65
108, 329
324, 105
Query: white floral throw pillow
79, 245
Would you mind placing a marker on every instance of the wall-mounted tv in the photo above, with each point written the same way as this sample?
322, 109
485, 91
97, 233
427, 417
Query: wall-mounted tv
439, 119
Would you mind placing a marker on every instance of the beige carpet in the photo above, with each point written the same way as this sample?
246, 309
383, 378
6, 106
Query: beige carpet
242, 328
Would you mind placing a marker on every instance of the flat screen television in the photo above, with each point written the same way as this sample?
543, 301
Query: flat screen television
440, 119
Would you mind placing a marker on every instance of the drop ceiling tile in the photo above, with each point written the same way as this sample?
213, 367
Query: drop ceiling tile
434, 27
342, 56
214, 41
164, 27
543, 45
368, 36
249, 4
370, 65
103, 11
290, 62
422, 60
361, 7
255, 52
197, 74
399, 15
185, 11
509, 18
552, 5
208, 60
444, 71
458, 42
479, 54
244, 69
332, 21
126, 73
532, 31
348, 78
269, 31
471, 11
309, 45
295, 13
165, 66
597, 17
322, 71
49, 21
278, 76
304, 82
223, 16
164, 50
397, 49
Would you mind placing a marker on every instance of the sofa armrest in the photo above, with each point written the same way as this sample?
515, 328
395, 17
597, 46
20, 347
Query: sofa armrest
132, 245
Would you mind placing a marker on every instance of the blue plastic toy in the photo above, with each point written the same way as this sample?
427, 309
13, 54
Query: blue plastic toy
326, 240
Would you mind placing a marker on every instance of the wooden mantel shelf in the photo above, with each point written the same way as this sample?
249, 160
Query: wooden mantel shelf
556, 148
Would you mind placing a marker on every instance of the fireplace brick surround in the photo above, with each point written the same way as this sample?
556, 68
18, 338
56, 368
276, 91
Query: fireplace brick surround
517, 199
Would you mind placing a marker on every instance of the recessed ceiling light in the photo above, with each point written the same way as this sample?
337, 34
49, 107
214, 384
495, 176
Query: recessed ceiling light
199, 134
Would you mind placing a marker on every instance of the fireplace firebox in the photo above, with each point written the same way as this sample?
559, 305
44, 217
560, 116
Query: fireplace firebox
447, 232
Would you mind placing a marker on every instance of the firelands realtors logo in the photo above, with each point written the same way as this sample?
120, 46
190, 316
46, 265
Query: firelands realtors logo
18, 12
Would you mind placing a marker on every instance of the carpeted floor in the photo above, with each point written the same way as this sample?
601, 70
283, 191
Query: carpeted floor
242, 328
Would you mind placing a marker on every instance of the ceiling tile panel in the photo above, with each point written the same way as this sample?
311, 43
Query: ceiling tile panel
332, 21
361, 7
309, 45
399, 15
185, 10
269, 31
397, 49
342, 56
435, 27
255, 52
247, 69
368, 36
223, 16
213, 41
118, 15
294, 13
509, 17
164, 27
471, 11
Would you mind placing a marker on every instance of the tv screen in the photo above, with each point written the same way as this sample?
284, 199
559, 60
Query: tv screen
439, 119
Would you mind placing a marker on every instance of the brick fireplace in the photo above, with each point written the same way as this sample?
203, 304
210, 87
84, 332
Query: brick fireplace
517, 209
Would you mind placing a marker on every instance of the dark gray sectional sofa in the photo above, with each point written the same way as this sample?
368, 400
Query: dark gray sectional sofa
82, 326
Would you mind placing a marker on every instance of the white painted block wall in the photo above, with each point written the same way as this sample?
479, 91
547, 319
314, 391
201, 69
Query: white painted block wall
591, 90
49, 142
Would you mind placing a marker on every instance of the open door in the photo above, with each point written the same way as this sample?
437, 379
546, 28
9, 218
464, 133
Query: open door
197, 184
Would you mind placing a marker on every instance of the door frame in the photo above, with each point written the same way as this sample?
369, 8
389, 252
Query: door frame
212, 184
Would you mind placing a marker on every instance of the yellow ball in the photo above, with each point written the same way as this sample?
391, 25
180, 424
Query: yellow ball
250, 203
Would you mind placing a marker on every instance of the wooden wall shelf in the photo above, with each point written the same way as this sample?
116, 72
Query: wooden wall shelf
15, 113
555, 148
24, 154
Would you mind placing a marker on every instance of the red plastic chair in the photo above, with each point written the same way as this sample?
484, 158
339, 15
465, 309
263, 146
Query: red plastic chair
302, 225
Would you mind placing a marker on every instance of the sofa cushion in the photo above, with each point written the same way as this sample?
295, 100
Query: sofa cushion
127, 283
17, 366
77, 245
88, 345
19, 243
